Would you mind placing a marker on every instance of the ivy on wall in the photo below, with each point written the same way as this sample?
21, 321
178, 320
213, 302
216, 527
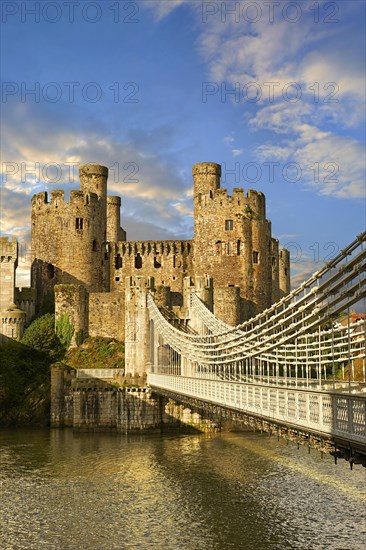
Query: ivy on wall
64, 330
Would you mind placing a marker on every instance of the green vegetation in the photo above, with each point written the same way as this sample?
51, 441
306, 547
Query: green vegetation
64, 330
25, 366
97, 353
24, 384
25, 373
79, 337
40, 335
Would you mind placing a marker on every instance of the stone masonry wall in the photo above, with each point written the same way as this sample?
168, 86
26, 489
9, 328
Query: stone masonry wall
98, 406
233, 241
8, 265
167, 261
107, 314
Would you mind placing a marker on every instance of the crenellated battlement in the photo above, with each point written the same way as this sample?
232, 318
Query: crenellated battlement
41, 201
113, 200
25, 293
8, 249
218, 202
164, 248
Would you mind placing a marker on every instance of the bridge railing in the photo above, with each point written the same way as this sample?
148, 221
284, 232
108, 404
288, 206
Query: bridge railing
330, 414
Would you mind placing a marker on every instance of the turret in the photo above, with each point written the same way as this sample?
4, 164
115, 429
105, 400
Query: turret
93, 179
113, 219
8, 265
284, 272
12, 322
206, 177
257, 204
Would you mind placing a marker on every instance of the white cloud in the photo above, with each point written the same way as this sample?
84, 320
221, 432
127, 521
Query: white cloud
162, 8
228, 140
330, 164
237, 152
315, 128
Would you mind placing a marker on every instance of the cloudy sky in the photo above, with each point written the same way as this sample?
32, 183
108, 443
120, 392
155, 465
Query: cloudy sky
273, 91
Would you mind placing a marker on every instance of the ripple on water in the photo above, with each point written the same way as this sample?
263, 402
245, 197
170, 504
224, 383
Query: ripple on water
239, 491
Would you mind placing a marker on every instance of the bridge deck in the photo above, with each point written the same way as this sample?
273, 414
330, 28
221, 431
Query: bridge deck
322, 412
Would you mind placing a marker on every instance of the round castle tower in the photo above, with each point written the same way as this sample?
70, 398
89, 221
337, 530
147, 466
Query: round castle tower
113, 219
68, 238
233, 244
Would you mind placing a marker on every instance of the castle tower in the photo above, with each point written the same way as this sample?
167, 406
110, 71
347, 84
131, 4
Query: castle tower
93, 179
12, 322
284, 272
275, 271
8, 265
114, 231
68, 238
233, 244
206, 177
12, 317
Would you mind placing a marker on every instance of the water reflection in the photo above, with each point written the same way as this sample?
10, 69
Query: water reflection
242, 491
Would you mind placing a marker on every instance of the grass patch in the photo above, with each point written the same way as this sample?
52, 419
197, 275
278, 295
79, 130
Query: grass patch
97, 353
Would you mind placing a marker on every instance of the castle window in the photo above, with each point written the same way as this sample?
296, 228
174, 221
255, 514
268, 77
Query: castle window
94, 246
50, 271
117, 279
238, 248
255, 257
118, 261
273, 261
79, 223
174, 261
138, 261
229, 225
211, 195
286, 271
106, 255
156, 263
228, 249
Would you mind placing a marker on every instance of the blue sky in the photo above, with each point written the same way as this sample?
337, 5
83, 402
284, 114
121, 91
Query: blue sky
145, 86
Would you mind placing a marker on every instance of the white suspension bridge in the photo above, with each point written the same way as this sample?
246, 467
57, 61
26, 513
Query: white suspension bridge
291, 368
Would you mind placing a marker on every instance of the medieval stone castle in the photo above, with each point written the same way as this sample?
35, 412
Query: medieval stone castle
100, 279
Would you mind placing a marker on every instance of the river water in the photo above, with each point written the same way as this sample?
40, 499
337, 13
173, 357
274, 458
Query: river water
234, 490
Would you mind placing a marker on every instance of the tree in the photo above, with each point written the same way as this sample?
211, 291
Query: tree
40, 335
